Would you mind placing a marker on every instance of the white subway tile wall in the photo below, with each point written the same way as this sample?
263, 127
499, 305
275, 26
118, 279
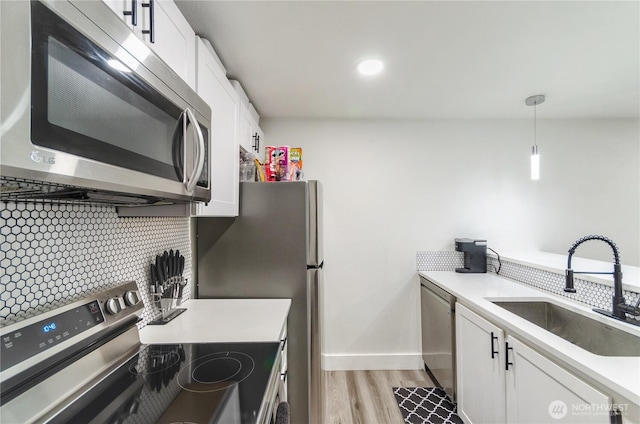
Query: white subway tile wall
587, 292
51, 255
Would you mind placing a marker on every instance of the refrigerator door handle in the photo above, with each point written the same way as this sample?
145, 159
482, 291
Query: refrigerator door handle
316, 266
314, 222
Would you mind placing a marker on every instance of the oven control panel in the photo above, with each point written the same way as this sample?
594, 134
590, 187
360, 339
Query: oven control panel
33, 339
53, 330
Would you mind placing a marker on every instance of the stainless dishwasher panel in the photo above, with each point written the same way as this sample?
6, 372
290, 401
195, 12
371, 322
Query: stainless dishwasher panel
438, 335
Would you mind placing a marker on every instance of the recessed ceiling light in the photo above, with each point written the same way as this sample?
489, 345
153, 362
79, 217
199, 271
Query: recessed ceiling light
370, 67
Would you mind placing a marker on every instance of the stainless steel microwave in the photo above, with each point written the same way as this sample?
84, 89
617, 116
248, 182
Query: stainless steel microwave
89, 113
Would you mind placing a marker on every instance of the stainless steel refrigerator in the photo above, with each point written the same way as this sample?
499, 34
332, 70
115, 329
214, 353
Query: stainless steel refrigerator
273, 249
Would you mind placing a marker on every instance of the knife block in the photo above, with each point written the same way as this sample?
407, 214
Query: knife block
165, 305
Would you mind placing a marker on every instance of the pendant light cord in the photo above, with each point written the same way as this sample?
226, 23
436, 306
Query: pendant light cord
535, 124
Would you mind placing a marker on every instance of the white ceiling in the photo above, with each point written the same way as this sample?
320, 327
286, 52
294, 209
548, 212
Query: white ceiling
444, 59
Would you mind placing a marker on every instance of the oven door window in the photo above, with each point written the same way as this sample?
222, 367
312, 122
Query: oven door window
87, 103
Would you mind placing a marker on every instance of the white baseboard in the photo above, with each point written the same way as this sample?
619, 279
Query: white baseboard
392, 361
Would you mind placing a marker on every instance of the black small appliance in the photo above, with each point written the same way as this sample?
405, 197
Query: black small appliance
475, 255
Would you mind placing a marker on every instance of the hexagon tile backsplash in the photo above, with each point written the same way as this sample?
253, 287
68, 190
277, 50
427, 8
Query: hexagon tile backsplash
588, 292
52, 254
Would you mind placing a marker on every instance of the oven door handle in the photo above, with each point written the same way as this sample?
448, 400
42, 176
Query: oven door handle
191, 182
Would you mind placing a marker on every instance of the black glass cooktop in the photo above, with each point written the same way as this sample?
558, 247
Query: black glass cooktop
181, 383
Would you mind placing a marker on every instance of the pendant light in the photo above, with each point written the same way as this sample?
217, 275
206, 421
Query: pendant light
535, 157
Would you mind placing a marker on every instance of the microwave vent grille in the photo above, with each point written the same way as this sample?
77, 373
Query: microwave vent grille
24, 190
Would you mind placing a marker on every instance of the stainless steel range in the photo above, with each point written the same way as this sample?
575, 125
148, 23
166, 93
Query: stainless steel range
84, 363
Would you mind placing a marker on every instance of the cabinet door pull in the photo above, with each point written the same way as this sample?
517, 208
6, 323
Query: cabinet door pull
152, 27
506, 356
493, 352
133, 12
256, 142
615, 416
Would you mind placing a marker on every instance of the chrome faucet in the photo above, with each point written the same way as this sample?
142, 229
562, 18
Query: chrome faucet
619, 309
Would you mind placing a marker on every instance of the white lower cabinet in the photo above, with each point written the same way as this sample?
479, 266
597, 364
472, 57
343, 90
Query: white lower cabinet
284, 367
480, 368
500, 379
540, 391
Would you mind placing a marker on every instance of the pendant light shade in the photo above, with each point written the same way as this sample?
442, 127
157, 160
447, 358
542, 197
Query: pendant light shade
535, 156
535, 163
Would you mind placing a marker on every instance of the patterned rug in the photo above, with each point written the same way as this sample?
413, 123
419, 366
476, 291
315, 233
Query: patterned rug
426, 405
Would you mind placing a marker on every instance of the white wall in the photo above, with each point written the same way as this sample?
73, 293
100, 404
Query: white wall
395, 187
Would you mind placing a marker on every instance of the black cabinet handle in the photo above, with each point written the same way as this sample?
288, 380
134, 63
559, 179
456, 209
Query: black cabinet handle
493, 352
615, 416
256, 142
283, 342
133, 12
506, 361
152, 27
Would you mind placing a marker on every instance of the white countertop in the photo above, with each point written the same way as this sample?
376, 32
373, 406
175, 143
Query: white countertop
222, 320
620, 374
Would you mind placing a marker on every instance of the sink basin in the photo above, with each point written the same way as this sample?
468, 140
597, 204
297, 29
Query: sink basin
589, 334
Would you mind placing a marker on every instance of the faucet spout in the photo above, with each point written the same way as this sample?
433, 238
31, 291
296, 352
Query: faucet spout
572, 249
618, 307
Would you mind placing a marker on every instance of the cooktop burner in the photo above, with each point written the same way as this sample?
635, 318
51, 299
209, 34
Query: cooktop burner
216, 371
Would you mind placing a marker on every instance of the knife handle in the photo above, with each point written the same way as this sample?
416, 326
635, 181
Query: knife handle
154, 278
172, 264
165, 264
160, 269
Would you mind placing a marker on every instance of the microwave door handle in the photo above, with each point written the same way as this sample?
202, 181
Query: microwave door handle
197, 170
185, 150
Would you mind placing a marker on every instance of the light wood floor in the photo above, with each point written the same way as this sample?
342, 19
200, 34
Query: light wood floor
366, 397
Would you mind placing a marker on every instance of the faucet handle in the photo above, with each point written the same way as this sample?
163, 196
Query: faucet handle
629, 309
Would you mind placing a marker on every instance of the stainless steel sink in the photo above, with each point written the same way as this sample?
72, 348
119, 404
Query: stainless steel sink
589, 334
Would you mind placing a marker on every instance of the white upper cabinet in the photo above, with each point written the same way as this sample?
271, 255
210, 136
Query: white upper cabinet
164, 29
245, 128
127, 10
214, 88
257, 135
251, 137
